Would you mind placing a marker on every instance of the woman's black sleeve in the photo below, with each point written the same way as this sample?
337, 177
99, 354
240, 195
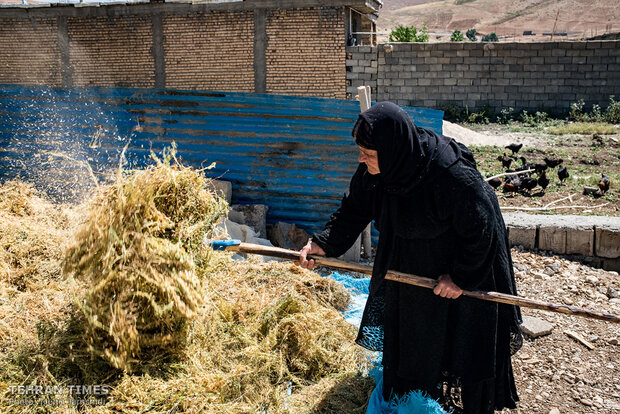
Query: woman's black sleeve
475, 223
346, 224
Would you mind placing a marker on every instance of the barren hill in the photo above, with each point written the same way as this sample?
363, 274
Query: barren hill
576, 18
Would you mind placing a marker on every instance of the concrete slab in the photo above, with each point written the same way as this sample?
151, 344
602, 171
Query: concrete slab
608, 241
522, 236
222, 189
552, 238
580, 241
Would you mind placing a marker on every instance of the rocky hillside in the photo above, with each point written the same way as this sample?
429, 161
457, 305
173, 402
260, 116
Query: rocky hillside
508, 18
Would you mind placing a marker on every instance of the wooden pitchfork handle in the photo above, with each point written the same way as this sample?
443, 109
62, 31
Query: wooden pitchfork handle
237, 246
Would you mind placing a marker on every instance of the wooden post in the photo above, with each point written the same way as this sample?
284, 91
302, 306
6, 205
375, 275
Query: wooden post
363, 95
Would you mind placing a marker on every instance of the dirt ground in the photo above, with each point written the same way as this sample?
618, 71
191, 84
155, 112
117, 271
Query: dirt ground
585, 157
556, 371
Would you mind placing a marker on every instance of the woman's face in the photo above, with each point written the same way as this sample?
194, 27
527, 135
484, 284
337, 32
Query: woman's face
370, 158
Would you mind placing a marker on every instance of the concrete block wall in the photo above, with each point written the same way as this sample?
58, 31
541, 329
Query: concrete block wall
305, 52
594, 237
209, 51
29, 52
361, 66
545, 76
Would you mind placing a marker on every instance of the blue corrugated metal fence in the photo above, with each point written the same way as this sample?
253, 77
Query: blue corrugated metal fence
294, 154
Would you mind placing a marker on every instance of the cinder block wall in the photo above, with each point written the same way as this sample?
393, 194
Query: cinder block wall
532, 76
299, 52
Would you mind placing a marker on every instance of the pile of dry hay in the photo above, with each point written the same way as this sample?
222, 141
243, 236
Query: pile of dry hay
138, 253
188, 328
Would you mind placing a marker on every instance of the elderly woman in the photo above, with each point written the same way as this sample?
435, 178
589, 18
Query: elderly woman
438, 218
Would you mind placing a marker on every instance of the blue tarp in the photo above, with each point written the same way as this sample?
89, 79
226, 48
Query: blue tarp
413, 403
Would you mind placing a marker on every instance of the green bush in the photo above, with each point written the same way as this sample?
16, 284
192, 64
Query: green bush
482, 116
409, 34
423, 34
491, 37
612, 113
535, 119
457, 36
577, 113
506, 116
471, 35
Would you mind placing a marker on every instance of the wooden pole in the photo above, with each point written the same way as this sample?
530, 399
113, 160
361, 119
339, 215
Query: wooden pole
426, 282
363, 95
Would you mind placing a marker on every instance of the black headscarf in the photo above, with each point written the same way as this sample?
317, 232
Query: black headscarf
406, 152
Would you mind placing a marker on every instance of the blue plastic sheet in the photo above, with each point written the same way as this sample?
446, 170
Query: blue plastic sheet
416, 402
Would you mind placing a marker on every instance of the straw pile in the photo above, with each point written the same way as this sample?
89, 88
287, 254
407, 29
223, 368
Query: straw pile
169, 324
138, 251
32, 235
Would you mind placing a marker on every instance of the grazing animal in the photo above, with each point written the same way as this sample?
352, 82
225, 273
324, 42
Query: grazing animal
506, 160
563, 173
514, 148
553, 162
524, 164
543, 180
512, 186
539, 167
529, 183
495, 182
604, 184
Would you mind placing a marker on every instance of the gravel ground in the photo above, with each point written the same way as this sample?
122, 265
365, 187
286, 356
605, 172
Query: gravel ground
556, 373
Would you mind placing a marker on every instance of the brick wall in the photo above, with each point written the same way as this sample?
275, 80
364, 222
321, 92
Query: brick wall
533, 76
306, 52
298, 51
111, 51
29, 52
213, 51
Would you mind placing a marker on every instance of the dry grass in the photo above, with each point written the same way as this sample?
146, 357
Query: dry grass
583, 128
164, 321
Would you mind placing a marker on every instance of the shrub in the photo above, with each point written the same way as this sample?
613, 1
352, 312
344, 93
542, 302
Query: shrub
409, 34
577, 113
491, 37
457, 36
612, 113
471, 35
535, 119
482, 116
506, 115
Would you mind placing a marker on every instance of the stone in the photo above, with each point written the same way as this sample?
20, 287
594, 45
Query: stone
222, 189
580, 241
591, 279
554, 411
607, 241
534, 327
354, 253
288, 236
612, 293
254, 215
522, 236
612, 265
552, 238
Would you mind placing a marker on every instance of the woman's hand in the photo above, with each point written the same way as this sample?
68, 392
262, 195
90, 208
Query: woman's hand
310, 248
446, 288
